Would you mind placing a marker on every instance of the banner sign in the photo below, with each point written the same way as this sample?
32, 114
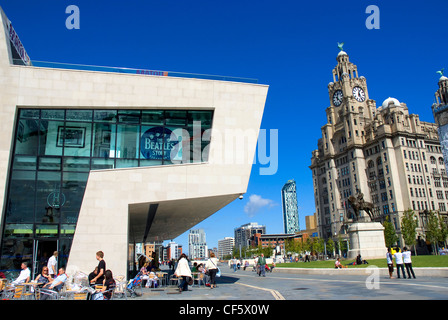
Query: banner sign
17, 44
153, 72
156, 144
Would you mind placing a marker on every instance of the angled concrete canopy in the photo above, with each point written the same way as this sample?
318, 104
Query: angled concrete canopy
122, 206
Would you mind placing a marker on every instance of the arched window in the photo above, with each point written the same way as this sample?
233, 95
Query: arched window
433, 160
441, 161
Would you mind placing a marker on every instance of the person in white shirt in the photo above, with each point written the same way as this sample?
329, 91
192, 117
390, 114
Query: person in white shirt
212, 267
399, 262
390, 263
408, 262
24, 275
52, 264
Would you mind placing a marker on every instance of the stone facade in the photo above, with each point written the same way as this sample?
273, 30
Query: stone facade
386, 153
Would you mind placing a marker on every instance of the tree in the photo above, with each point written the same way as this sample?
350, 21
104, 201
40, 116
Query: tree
433, 232
408, 225
330, 246
318, 245
390, 236
443, 231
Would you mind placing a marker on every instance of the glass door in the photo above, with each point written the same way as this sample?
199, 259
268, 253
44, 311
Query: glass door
42, 251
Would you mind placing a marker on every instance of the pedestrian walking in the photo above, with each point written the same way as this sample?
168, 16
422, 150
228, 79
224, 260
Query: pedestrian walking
183, 270
399, 262
408, 262
390, 263
262, 263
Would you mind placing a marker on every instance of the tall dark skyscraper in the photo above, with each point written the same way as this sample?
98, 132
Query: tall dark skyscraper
290, 209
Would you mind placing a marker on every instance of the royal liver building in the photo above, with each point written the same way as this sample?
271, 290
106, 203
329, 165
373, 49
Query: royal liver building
387, 154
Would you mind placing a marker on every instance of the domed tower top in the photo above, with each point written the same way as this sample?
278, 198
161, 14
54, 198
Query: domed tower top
441, 95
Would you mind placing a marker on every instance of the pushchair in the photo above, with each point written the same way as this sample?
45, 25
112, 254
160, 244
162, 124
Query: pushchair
133, 284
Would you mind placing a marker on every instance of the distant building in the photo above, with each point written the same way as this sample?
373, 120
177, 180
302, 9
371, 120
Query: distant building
244, 234
197, 244
172, 251
290, 209
225, 246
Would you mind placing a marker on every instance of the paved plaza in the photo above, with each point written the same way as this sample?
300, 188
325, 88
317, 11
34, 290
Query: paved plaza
247, 285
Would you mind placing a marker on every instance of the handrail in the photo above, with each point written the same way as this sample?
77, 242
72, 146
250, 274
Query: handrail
72, 66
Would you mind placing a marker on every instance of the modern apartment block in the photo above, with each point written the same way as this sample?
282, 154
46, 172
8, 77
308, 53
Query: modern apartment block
244, 235
197, 244
225, 246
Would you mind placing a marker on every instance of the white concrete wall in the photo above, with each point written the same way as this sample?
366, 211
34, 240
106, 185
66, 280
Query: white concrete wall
103, 219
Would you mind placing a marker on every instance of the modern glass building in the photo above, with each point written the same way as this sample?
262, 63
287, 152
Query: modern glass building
290, 209
95, 158
54, 151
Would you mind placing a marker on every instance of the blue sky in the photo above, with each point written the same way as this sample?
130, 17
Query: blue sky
289, 45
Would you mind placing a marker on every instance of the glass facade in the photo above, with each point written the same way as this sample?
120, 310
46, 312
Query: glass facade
53, 152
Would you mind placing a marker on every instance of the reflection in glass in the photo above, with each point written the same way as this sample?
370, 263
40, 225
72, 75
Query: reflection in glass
99, 164
49, 141
104, 140
76, 164
153, 117
126, 163
127, 141
27, 137
24, 163
76, 138
73, 187
79, 115
22, 190
49, 198
105, 116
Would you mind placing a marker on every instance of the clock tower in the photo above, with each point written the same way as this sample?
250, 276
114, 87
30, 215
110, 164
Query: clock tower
350, 105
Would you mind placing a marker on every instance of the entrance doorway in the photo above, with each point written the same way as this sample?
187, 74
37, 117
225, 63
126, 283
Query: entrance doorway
43, 250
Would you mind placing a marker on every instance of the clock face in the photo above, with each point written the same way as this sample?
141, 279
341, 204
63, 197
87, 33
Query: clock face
337, 98
359, 94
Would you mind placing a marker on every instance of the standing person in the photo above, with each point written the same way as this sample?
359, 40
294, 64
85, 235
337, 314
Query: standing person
183, 270
212, 267
234, 264
262, 263
399, 262
52, 264
99, 278
408, 262
390, 263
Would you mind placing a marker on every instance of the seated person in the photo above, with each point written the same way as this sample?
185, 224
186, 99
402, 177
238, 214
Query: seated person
24, 275
57, 283
337, 264
105, 293
153, 280
93, 274
108, 285
43, 278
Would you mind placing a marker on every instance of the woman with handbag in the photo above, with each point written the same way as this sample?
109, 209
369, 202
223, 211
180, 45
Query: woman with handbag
183, 270
212, 267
